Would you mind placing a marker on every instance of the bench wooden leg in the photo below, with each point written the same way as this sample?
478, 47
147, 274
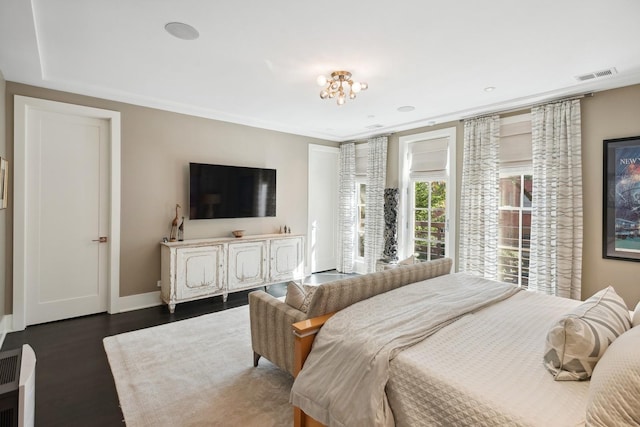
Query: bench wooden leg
256, 357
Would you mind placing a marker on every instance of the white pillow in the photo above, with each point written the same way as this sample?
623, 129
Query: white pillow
579, 339
614, 392
636, 316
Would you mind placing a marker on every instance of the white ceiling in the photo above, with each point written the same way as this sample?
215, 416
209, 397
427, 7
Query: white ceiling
256, 61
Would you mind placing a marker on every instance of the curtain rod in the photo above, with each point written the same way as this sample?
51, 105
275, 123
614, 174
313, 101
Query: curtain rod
524, 107
355, 141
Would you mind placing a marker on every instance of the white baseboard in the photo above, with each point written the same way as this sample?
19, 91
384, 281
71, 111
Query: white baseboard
139, 301
6, 326
130, 303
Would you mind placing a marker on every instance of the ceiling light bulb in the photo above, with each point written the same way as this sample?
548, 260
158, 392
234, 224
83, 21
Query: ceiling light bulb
321, 80
341, 99
364, 86
332, 94
352, 95
356, 87
335, 85
324, 94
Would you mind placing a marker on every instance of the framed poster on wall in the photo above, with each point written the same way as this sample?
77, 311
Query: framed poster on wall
621, 199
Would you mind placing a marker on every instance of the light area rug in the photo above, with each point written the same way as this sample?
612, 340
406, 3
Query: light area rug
197, 372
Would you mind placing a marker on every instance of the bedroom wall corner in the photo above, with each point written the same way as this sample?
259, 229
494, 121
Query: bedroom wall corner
607, 115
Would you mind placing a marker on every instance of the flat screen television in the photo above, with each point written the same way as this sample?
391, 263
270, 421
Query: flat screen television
219, 191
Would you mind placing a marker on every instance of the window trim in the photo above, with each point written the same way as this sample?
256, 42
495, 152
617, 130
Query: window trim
404, 183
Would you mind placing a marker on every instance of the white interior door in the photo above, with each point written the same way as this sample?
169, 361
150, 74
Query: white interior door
63, 217
323, 207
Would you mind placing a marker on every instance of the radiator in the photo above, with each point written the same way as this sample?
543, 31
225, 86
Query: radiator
17, 387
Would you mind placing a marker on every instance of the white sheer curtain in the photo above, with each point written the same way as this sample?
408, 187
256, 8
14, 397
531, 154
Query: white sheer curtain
346, 207
556, 227
480, 197
374, 202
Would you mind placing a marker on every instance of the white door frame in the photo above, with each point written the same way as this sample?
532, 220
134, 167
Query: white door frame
22, 105
310, 232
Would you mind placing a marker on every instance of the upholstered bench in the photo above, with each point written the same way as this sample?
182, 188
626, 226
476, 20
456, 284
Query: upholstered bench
271, 318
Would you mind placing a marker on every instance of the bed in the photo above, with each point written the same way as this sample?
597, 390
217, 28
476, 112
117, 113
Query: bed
474, 363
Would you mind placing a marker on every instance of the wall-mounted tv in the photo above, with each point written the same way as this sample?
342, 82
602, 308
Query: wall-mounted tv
219, 191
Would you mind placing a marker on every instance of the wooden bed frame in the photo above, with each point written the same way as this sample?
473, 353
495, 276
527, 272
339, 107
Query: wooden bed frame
304, 333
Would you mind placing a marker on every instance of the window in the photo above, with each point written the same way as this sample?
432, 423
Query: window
516, 186
361, 194
514, 230
429, 219
361, 152
426, 224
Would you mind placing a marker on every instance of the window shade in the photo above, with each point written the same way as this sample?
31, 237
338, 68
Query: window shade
361, 159
515, 143
428, 156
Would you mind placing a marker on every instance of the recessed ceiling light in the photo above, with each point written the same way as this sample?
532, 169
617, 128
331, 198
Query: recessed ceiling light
406, 108
371, 116
182, 31
489, 89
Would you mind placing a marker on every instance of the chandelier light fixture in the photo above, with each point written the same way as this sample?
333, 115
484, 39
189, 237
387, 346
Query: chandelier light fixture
338, 85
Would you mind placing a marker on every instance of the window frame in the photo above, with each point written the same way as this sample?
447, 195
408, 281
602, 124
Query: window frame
405, 181
359, 181
520, 171
429, 178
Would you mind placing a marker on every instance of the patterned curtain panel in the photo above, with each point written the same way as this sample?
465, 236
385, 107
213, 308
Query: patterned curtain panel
480, 197
556, 226
346, 207
374, 202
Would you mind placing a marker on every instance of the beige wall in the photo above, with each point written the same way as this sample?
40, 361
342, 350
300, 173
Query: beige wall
157, 147
4, 213
609, 114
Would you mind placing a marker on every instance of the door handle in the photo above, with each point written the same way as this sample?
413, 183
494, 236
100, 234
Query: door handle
102, 239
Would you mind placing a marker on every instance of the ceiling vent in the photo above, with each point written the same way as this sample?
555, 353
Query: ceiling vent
376, 126
597, 74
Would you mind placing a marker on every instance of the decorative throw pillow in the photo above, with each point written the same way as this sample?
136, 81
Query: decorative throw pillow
614, 392
579, 339
310, 291
295, 295
299, 296
636, 316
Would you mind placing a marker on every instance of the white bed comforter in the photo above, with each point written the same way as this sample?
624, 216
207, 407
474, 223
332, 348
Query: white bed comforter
343, 380
486, 369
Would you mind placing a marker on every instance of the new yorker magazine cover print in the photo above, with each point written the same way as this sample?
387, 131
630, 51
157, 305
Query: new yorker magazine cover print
627, 199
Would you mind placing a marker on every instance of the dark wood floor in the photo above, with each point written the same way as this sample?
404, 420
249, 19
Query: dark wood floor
74, 385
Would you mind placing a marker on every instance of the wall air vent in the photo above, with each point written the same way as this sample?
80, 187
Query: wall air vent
597, 74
